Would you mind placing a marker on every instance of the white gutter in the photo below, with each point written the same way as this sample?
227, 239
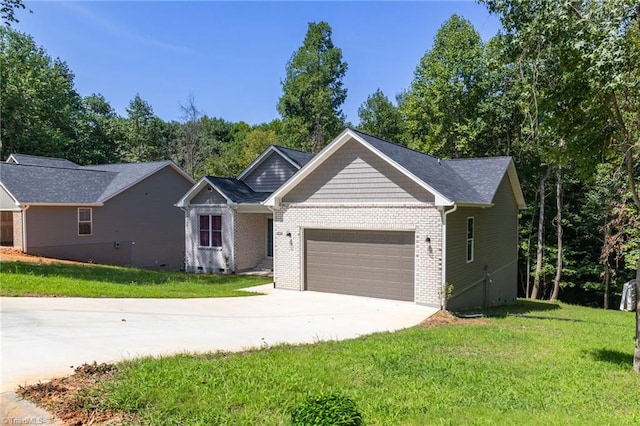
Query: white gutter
443, 264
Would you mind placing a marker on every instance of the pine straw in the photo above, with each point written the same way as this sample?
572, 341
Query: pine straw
74, 399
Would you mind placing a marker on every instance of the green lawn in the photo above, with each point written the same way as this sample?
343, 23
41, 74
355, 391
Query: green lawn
70, 280
570, 367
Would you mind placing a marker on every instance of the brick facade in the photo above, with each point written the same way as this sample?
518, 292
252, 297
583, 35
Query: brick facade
250, 239
17, 231
424, 220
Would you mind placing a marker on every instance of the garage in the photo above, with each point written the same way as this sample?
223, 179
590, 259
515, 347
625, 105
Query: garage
360, 262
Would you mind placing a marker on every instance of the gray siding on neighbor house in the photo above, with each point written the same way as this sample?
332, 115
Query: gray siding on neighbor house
356, 175
270, 174
6, 201
495, 245
208, 197
139, 227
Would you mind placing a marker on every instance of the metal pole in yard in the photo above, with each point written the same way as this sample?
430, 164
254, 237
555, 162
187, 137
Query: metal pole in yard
636, 353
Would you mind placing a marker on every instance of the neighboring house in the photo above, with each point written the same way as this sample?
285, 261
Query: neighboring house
227, 228
372, 218
119, 214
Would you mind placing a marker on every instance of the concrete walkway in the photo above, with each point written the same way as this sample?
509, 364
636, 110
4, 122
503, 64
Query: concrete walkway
47, 337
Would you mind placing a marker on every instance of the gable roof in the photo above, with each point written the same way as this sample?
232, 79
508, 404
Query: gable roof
296, 158
463, 182
33, 160
233, 190
43, 182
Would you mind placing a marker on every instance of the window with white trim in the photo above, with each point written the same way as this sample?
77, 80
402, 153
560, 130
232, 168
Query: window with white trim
210, 230
85, 221
470, 237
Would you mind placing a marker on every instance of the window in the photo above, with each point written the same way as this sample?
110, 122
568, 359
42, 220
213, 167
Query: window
470, 232
85, 225
210, 230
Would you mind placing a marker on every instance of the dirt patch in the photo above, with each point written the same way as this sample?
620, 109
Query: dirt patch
8, 254
75, 399
442, 318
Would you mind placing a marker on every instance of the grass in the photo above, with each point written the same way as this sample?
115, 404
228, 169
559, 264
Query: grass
70, 280
554, 364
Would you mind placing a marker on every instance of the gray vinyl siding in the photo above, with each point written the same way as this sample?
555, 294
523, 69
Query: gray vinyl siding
356, 175
139, 227
6, 201
495, 245
208, 197
270, 174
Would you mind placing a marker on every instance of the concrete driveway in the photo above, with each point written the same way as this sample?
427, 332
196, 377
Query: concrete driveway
47, 337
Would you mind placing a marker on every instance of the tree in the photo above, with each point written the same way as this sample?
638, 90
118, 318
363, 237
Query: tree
313, 91
39, 101
591, 70
143, 133
442, 104
96, 133
379, 117
255, 142
190, 153
8, 11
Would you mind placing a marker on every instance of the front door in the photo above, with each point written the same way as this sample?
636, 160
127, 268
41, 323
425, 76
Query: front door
270, 237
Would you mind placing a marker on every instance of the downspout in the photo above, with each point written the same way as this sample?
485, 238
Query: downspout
24, 227
232, 266
443, 263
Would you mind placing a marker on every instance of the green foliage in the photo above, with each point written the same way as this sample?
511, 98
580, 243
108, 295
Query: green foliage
39, 101
143, 133
550, 363
97, 133
441, 106
380, 118
8, 10
313, 91
332, 409
69, 280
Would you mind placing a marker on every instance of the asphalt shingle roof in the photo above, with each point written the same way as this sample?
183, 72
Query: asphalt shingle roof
472, 181
42, 180
32, 160
237, 190
299, 157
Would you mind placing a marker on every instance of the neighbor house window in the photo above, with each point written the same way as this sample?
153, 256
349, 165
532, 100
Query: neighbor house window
85, 225
470, 233
210, 230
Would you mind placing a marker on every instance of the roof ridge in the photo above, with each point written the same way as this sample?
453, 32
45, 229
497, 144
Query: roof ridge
291, 149
396, 144
478, 158
78, 167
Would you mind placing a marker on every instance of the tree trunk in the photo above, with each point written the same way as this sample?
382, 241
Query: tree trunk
539, 252
556, 281
607, 266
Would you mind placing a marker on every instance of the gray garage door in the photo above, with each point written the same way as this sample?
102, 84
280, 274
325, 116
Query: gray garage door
363, 263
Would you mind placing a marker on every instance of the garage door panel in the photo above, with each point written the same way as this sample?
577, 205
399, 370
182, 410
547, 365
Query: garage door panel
367, 263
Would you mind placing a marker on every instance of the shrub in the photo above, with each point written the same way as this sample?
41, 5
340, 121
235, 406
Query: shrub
326, 410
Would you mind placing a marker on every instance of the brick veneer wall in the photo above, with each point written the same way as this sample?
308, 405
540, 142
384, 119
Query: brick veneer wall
250, 239
17, 231
424, 220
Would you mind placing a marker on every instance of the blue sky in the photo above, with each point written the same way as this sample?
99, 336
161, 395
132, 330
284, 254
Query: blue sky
232, 55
